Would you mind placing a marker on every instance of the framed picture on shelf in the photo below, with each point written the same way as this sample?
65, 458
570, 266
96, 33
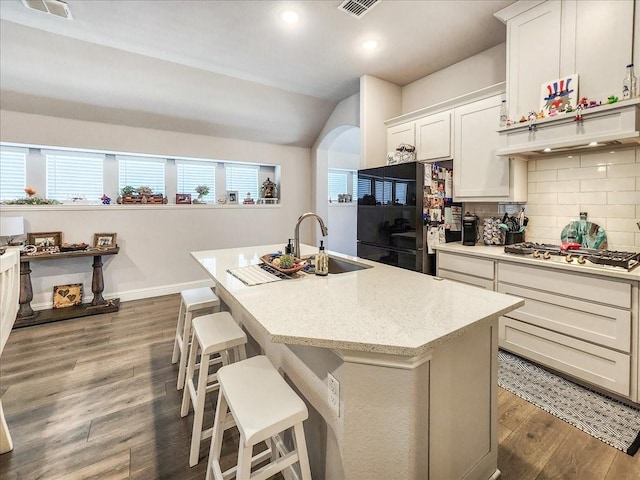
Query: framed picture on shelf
45, 241
232, 197
67, 295
183, 198
105, 240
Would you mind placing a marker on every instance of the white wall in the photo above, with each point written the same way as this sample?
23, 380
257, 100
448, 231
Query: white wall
474, 73
155, 240
379, 101
343, 216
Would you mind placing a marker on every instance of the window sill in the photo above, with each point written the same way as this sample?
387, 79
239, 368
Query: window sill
70, 207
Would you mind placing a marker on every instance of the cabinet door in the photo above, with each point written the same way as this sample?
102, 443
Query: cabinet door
533, 56
399, 134
478, 171
601, 64
433, 136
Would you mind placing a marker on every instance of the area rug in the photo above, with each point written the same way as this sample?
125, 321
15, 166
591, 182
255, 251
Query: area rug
601, 417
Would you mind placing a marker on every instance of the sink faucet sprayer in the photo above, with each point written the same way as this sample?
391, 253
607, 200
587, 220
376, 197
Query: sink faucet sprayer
323, 229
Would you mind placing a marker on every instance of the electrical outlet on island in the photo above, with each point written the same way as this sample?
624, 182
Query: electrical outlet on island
333, 393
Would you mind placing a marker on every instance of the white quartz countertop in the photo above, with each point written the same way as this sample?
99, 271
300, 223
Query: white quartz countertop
555, 262
383, 309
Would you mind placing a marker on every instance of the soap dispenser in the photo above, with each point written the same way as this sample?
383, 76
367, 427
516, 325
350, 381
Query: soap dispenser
322, 261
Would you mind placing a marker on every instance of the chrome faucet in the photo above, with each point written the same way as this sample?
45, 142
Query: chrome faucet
323, 229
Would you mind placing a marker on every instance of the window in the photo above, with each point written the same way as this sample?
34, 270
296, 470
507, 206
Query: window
13, 168
338, 180
192, 174
142, 172
243, 179
341, 182
74, 175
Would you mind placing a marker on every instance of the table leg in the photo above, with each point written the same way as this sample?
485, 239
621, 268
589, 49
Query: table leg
26, 291
97, 282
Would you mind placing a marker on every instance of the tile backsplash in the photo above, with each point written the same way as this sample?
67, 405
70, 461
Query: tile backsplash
604, 184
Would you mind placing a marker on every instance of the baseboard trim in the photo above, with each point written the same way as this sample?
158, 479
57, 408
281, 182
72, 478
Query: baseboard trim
141, 293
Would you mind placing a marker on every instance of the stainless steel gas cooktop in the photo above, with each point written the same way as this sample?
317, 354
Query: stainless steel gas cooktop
577, 256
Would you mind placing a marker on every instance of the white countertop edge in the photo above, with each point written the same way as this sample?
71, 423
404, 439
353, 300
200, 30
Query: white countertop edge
497, 252
360, 351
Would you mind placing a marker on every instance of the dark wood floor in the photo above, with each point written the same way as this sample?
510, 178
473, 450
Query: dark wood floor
95, 398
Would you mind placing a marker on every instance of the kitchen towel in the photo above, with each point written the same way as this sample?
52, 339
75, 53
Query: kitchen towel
601, 417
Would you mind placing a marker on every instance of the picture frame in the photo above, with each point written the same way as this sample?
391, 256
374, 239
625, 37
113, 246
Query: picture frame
105, 240
183, 198
556, 95
232, 197
45, 241
67, 295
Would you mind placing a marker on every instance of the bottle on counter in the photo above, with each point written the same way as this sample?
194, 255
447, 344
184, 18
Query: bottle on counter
504, 114
288, 248
322, 261
629, 84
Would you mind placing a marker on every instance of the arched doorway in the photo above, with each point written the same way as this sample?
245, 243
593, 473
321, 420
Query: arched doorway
338, 155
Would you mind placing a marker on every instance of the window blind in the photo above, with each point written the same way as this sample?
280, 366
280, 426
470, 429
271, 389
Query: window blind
192, 174
13, 176
74, 175
338, 181
243, 179
142, 172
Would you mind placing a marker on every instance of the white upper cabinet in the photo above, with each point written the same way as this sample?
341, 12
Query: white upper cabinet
399, 134
479, 174
433, 136
552, 39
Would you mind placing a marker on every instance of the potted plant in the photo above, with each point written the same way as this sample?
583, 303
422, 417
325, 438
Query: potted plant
201, 190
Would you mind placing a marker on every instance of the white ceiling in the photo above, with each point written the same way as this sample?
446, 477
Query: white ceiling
226, 68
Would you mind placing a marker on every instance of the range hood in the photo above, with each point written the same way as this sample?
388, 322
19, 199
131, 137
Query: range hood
606, 126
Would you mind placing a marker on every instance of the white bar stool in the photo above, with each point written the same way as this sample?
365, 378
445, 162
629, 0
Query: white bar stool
216, 336
263, 406
191, 302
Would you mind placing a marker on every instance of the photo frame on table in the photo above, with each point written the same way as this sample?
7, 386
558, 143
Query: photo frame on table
105, 240
232, 197
183, 198
67, 295
45, 241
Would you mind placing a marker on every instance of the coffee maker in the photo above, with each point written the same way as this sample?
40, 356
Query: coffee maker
469, 229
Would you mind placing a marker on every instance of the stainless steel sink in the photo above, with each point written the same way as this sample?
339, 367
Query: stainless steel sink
341, 265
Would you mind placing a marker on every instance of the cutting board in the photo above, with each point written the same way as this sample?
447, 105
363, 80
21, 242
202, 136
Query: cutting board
590, 235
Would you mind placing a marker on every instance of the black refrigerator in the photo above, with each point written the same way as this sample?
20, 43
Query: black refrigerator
395, 212
390, 224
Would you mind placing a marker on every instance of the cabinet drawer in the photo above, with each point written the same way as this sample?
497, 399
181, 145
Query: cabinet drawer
593, 288
468, 279
478, 267
601, 324
597, 365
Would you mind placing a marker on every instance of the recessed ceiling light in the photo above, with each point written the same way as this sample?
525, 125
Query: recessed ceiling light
370, 45
289, 16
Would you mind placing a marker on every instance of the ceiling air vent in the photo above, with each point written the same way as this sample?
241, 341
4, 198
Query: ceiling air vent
54, 7
357, 8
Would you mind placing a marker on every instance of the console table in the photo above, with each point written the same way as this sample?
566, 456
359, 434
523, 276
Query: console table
26, 316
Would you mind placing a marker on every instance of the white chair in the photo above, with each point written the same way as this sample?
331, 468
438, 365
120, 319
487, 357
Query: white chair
9, 294
219, 340
263, 406
192, 301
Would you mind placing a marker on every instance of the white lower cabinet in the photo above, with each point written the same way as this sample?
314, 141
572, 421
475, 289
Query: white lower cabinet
580, 325
470, 270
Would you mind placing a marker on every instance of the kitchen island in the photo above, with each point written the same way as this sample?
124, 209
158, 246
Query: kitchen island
415, 358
